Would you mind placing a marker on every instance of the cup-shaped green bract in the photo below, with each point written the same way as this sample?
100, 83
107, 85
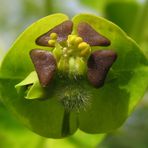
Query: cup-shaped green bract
71, 103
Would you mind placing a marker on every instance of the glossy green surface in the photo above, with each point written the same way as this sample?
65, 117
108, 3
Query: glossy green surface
109, 105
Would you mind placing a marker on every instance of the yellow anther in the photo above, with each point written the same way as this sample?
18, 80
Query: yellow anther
71, 39
51, 42
85, 51
83, 45
78, 40
53, 36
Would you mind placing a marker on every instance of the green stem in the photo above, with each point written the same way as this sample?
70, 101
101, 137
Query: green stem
65, 125
141, 23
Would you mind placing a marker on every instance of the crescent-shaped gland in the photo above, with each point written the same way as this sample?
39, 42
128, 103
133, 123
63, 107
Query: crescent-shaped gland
62, 31
45, 65
99, 64
90, 36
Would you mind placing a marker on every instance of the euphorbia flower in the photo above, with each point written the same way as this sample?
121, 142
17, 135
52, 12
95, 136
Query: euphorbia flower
63, 75
71, 54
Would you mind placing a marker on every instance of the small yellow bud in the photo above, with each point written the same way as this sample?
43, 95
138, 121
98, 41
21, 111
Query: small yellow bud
51, 42
83, 45
78, 40
53, 36
71, 39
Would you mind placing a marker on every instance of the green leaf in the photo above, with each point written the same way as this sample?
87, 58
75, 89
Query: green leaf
30, 79
12, 134
44, 117
32, 87
107, 108
10, 130
112, 103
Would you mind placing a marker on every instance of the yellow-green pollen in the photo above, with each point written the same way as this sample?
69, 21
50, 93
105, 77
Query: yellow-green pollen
71, 55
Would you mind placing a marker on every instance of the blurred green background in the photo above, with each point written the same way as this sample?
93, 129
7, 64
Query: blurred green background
130, 15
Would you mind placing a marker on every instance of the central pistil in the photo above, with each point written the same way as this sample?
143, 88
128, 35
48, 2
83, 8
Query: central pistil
71, 55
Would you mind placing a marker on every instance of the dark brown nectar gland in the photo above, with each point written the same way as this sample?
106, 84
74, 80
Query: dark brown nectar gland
90, 36
99, 64
45, 65
62, 30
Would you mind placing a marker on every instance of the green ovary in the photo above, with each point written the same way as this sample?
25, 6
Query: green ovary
71, 55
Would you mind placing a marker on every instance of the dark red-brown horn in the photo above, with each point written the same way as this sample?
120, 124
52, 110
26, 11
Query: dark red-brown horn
45, 65
90, 36
99, 64
62, 30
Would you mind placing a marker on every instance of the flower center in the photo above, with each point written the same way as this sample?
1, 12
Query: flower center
71, 55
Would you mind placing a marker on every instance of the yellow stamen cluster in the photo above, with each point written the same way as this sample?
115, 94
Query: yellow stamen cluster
81, 47
71, 56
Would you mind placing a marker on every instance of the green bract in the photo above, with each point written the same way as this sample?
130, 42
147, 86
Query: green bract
41, 109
